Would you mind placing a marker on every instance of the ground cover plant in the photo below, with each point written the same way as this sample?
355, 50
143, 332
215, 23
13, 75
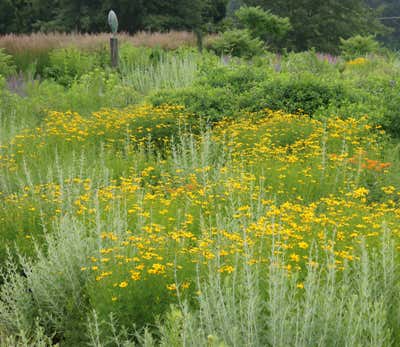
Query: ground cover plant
190, 199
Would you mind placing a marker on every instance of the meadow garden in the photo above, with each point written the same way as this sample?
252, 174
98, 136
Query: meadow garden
198, 199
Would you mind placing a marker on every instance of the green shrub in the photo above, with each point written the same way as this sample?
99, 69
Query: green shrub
263, 24
380, 103
358, 46
306, 94
237, 77
68, 64
227, 90
7, 66
131, 56
238, 43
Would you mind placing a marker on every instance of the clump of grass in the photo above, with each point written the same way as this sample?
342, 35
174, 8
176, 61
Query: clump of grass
170, 72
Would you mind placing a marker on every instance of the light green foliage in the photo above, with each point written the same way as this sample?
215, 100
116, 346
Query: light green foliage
7, 67
257, 310
68, 64
238, 43
51, 291
358, 46
131, 56
357, 307
310, 61
147, 70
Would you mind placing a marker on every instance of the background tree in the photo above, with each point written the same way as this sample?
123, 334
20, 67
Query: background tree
90, 15
233, 6
195, 15
321, 24
7, 17
389, 9
262, 24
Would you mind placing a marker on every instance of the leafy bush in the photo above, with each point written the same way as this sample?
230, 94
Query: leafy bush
216, 92
263, 24
305, 95
7, 66
238, 77
238, 43
68, 64
131, 56
358, 46
227, 90
379, 99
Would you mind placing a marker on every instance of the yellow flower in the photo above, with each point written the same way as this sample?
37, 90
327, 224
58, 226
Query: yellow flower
226, 268
303, 245
295, 257
135, 275
360, 193
156, 269
123, 284
171, 286
389, 190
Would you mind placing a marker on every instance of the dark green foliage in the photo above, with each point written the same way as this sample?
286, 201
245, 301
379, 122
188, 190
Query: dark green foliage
233, 6
321, 24
90, 15
318, 24
250, 30
389, 10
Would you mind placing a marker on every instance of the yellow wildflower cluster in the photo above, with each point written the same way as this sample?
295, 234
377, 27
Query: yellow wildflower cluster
284, 186
130, 128
357, 61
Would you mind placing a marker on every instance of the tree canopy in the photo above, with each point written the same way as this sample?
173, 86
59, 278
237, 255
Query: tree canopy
314, 23
21, 16
321, 24
389, 11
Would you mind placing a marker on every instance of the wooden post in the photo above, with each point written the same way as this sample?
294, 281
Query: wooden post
114, 52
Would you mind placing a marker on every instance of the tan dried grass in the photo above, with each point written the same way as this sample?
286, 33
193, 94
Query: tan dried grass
40, 42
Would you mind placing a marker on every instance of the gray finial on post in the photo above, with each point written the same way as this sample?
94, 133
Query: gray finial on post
113, 22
